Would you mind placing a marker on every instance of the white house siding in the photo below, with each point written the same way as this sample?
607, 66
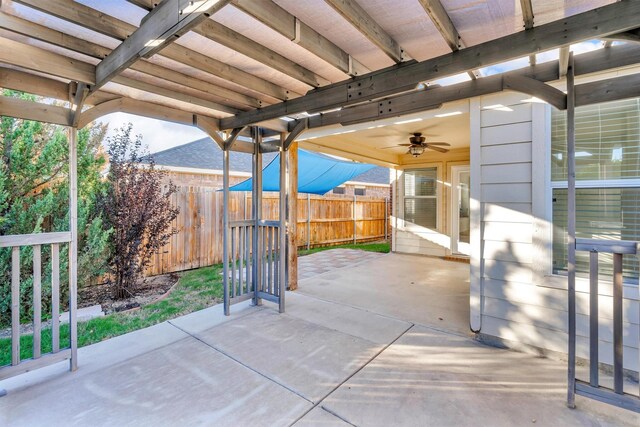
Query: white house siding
514, 297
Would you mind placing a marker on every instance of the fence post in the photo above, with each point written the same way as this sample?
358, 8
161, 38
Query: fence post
308, 221
355, 226
386, 218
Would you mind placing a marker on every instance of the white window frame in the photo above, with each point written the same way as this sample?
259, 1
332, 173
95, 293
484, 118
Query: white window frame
437, 195
542, 209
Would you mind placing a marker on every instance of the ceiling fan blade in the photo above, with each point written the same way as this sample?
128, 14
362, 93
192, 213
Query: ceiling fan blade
439, 143
441, 150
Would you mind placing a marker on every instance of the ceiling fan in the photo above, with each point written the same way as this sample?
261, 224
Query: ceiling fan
417, 145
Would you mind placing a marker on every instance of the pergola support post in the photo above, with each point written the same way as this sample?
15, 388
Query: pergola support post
571, 232
225, 229
292, 214
256, 215
73, 247
282, 212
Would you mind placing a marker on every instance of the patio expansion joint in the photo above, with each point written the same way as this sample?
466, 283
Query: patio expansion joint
197, 338
371, 359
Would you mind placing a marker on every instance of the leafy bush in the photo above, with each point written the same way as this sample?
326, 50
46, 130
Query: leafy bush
137, 206
34, 198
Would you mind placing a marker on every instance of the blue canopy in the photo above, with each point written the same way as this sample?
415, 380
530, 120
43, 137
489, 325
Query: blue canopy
317, 174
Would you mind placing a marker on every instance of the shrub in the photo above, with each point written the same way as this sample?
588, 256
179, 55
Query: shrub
138, 208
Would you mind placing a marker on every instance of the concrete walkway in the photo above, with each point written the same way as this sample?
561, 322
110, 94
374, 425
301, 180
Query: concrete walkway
323, 363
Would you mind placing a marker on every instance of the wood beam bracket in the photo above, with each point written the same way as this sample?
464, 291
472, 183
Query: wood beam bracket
300, 126
536, 88
233, 136
79, 98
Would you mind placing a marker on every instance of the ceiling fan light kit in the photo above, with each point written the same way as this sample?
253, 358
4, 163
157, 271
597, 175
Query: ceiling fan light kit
416, 150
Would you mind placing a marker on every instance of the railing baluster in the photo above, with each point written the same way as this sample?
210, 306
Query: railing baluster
270, 259
593, 318
247, 249
617, 324
233, 262
276, 261
15, 305
241, 259
37, 301
55, 297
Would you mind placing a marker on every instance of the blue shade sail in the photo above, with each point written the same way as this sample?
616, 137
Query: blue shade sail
317, 174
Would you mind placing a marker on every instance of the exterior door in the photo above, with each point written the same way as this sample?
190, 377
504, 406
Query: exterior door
460, 210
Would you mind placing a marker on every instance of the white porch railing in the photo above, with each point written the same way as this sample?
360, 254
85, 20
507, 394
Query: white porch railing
36, 241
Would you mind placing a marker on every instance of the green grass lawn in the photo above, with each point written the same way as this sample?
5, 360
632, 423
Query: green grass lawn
196, 290
382, 247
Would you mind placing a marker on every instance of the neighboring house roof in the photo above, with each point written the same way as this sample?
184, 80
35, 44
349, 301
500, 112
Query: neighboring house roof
205, 154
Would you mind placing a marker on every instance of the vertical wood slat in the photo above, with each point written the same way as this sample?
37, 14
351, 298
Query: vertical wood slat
247, 251
233, 261
617, 325
593, 319
55, 297
37, 301
15, 305
270, 259
241, 259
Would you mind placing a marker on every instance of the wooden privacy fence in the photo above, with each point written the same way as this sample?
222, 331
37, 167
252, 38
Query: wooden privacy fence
322, 220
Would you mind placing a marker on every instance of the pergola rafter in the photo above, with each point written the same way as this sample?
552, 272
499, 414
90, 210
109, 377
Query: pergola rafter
161, 27
363, 22
445, 26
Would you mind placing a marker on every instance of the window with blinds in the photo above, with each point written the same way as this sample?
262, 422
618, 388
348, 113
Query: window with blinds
421, 197
607, 181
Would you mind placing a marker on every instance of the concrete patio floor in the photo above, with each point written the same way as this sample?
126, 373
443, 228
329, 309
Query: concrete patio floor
322, 363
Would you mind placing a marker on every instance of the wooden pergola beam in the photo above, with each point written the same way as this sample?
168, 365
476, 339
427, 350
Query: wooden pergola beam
596, 23
94, 20
244, 45
608, 90
41, 60
278, 19
37, 59
520, 80
30, 83
39, 32
363, 22
29, 110
160, 27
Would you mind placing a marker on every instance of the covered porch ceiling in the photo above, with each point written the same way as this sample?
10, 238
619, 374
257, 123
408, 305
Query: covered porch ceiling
299, 67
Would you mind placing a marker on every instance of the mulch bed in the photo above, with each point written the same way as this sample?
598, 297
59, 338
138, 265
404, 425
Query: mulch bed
148, 290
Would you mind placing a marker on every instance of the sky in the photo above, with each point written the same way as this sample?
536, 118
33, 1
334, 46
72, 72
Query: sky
159, 135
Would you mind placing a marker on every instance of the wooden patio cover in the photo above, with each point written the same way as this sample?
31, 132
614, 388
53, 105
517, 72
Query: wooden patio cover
227, 64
